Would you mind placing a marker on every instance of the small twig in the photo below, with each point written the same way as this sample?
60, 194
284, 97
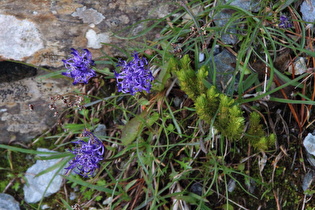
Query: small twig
277, 200
266, 67
8, 185
275, 162
170, 88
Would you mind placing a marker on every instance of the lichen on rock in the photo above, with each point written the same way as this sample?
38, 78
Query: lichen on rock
19, 38
90, 16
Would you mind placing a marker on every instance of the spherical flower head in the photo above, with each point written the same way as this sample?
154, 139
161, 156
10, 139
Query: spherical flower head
79, 66
134, 76
284, 22
87, 155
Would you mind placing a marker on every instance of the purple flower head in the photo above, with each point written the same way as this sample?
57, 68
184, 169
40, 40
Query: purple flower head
79, 66
284, 22
134, 76
87, 155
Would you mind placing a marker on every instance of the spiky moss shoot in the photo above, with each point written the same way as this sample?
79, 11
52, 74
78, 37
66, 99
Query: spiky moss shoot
190, 81
230, 121
207, 104
256, 134
201, 76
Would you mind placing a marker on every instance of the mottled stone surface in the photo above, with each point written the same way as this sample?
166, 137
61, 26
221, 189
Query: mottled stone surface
45, 30
17, 121
228, 35
225, 67
251, 5
221, 19
90, 16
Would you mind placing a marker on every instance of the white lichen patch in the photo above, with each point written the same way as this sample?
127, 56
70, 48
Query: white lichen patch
90, 16
95, 40
18, 38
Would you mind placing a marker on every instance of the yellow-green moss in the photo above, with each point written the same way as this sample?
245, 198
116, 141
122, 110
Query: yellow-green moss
256, 134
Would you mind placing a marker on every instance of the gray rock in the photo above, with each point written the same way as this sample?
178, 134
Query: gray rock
299, 66
309, 143
35, 187
308, 10
201, 57
7, 202
17, 121
221, 19
100, 130
224, 66
308, 179
310, 158
72, 196
196, 188
251, 5
231, 185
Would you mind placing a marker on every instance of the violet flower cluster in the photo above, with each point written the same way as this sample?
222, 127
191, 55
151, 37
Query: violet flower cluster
87, 155
134, 76
79, 66
284, 22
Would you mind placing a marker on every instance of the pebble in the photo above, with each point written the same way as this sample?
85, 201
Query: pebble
8, 202
308, 10
36, 186
309, 143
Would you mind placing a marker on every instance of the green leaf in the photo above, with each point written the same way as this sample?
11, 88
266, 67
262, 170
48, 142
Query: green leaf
133, 128
65, 203
170, 127
105, 71
98, 198
55, 156
28, 151
75, 128
283, 6
130, 184
227, 207
16, 186
60, 164
88, 194
183, 165
152, 119
89, 185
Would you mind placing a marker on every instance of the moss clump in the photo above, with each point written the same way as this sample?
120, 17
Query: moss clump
211, 106
256, 134
207, 104
190, 81
230, 120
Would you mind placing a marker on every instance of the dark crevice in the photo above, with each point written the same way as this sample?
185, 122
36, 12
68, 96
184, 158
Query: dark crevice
13, 71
